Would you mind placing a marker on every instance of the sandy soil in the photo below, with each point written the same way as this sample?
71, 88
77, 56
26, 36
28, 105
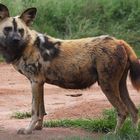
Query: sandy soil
15, 95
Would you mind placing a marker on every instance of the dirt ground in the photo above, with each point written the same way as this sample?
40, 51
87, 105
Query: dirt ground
15, 95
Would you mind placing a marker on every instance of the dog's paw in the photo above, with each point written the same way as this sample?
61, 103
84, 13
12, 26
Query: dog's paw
38, 127
24, 131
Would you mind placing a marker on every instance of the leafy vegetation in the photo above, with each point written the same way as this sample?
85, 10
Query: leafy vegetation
82, 18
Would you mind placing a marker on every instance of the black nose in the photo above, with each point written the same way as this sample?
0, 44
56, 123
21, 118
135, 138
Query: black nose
16, 39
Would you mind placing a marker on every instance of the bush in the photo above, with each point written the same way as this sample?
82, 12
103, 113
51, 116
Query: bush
82, 18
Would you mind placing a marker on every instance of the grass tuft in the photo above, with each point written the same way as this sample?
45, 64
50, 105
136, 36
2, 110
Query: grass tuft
79, 138
21, 115
105, 124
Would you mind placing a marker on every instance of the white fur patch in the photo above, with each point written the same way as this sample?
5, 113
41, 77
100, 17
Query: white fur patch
47, 51
17, 16
41, 36
104, 36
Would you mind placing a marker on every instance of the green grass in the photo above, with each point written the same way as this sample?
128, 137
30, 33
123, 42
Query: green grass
83, 18
138, 52
105, 124
21, 115
1, 58
101, 125
79, 138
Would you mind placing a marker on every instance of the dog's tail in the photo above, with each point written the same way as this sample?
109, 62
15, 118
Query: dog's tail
134, 65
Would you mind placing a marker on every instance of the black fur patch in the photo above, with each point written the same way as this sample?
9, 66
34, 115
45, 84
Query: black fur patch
105, 50
135, 70
48, 49
11, 52
14, 24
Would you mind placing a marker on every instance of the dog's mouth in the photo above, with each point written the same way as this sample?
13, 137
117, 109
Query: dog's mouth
11, 51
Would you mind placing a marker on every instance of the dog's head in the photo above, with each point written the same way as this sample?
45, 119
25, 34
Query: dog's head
14, 32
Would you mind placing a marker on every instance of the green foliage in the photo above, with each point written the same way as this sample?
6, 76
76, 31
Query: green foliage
82, 18
1, 58
79, 138
21, 115
103, 125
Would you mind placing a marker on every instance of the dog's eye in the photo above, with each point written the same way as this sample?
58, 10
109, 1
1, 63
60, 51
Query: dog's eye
8, 29
21, 31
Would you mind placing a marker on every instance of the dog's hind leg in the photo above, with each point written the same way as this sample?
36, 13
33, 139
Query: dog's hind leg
126, 99
111, 90
109, 75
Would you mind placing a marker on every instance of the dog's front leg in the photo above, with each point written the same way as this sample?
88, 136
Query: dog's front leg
37, 91
42, 112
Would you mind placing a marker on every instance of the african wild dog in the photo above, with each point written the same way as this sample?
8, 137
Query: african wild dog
72, 64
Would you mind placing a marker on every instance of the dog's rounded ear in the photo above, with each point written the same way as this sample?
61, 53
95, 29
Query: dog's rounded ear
4, 12
29, 15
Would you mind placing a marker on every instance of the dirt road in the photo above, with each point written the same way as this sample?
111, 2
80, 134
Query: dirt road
15, 95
